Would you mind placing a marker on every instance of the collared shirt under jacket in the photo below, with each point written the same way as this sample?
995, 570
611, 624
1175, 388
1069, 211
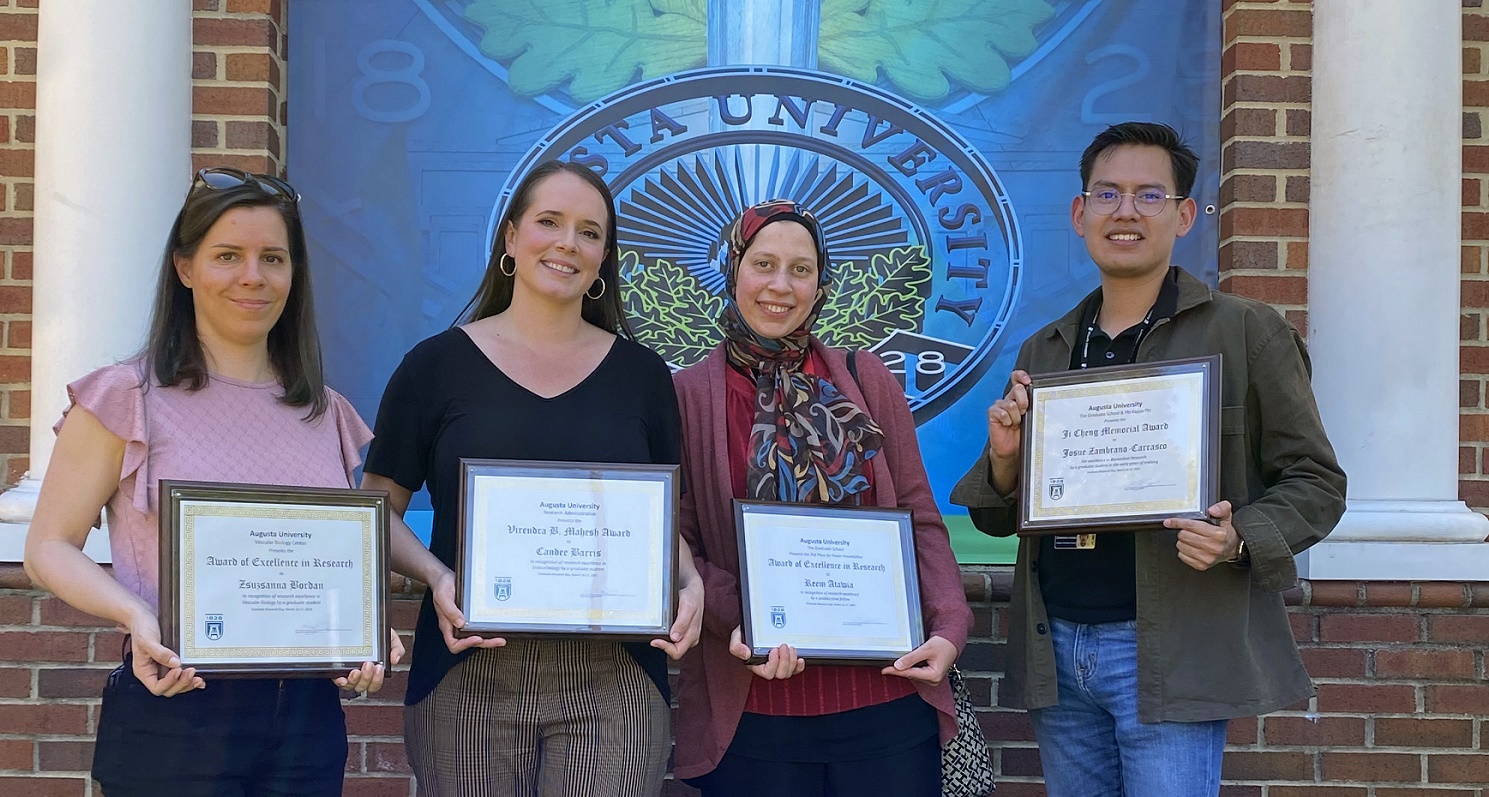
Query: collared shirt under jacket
1214, 644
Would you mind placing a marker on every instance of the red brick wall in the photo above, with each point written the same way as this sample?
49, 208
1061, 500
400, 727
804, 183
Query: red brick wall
376, 765
1473, 396
17, 145
238, 75
1403, 704
239, 70
1402, 707
1265, 100
52, 664
53, 661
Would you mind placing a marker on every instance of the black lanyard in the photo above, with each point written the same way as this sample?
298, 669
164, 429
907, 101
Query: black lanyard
1142, 332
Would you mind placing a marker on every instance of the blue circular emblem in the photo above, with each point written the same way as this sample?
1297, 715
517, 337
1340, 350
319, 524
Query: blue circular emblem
927, 260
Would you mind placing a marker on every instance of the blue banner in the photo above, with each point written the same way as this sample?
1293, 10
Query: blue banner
938, 142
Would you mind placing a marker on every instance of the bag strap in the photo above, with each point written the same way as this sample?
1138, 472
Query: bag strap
853, 372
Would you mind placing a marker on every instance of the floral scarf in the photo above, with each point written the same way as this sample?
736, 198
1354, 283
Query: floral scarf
809, 443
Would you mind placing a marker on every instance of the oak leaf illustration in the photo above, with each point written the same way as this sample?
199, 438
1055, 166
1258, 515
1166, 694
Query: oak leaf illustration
669, 310
869, 302
923, 46
593, 46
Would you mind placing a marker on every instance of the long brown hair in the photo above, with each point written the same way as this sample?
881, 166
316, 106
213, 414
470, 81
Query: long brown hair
495, 293
173, 353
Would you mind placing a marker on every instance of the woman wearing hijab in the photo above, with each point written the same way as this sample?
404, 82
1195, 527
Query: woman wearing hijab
773, 414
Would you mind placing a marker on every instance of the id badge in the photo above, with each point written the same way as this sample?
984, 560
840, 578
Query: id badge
1076, 542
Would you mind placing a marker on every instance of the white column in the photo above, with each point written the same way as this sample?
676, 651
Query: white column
1383, 286
113, 162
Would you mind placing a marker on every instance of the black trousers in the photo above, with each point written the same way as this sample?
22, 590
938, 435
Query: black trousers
238, 737
913, 773
891, 749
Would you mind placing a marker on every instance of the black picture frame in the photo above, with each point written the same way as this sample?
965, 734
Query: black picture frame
663, 585
744, 510
1208, 476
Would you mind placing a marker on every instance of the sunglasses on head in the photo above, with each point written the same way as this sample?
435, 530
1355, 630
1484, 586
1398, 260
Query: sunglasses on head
222, 177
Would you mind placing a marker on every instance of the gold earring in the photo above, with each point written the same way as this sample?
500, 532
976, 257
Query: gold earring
501, 264
600, 280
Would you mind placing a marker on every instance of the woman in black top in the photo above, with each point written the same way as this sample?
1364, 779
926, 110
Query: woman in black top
543, 369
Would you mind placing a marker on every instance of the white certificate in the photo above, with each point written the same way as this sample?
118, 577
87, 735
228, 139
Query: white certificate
272, 580
568, 548
836, 583
1121, 445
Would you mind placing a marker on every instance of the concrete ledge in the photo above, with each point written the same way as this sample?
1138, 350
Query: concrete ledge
1353, 560
13, 543
1367, 520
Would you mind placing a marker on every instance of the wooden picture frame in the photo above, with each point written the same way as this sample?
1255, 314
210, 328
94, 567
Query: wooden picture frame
255, 579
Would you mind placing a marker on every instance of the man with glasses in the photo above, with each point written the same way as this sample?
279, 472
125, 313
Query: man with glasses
1132, 650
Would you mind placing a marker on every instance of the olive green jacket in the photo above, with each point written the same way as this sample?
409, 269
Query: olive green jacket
1215, 644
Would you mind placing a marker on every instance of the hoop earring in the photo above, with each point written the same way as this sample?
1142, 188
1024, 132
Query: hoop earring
500, 265
601, 280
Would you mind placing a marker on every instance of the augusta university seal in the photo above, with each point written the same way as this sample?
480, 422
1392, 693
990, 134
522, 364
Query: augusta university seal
926, 254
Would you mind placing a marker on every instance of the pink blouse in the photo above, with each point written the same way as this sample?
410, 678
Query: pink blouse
229, 431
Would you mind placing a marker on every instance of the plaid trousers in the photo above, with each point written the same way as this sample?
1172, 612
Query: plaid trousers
541, 718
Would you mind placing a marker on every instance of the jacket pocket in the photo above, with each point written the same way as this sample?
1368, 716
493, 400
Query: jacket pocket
1233, 475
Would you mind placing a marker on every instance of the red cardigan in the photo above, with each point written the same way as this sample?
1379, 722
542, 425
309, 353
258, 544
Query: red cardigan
713, 685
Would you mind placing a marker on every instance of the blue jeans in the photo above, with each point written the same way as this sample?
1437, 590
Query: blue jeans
1092, 745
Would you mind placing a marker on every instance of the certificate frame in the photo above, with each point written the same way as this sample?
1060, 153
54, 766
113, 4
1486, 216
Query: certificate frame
1202, 489
185, 502
914, 622
661, 559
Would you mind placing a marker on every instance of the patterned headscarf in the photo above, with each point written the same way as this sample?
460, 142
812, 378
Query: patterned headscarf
809, 442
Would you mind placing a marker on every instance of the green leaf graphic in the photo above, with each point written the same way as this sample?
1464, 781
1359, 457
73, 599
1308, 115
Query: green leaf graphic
923, 46
595, 46
669, 309
870, 302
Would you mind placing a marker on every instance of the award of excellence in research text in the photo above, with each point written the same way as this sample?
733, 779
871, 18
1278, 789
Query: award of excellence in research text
276, 584
818, 582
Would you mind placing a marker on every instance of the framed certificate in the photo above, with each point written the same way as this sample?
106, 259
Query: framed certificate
1119, 448
273, 581
837, 583
567, 548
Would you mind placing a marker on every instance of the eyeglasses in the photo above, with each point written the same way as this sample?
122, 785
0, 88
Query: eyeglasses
223, 177
1147, 202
